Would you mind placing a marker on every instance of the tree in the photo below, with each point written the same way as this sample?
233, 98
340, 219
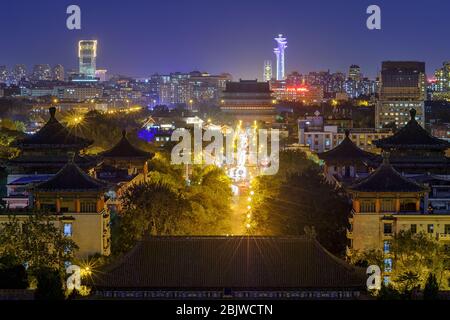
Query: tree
49, 284
12, 274
297, 197
36, 242
431, 290
166, 205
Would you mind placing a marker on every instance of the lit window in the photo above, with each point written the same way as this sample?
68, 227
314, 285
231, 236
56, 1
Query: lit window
430, 228
386, 280
387, 246
67, 229
388, 265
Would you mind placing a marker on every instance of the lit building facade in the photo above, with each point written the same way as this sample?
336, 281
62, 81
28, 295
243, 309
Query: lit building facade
402, 87
314, 132
280, 56
58, 73
87, 55
267, 71
41, 72
19, 72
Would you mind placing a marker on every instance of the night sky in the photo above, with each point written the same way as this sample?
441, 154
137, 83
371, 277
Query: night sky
138, 37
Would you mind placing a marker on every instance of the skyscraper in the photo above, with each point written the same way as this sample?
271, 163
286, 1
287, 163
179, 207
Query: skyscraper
279, 53
41, 72
267, 74
354, 73
19, 72
442, 76
87, 54
58, 72
402, 88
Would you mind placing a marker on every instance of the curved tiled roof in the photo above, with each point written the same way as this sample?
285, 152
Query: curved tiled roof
229, 262
71, 178
346, 151
386, 179
53, 135
412, 136
124, 149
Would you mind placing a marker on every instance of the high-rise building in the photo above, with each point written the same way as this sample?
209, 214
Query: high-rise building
267, 73
3, 74
442, 76
87, 55
279, 53
19, 72
402, 88
354, 73
41, 72
58, 72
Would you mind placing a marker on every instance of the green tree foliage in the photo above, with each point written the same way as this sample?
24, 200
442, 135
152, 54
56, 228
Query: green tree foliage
419, 263
297, 198
431, 290
49, 284
36, 241
12, 274
166, 205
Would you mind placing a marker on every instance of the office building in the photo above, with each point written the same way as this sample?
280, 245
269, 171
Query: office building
402, 88
19, 73
87, 55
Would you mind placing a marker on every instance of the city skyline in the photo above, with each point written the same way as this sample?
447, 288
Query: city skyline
317, 41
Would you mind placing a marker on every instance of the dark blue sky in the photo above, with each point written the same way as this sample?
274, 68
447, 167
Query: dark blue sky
138, 37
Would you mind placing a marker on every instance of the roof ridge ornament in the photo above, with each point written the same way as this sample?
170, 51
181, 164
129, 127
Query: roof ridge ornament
412, 113
386, 156
52, 111
347, 133
71, 157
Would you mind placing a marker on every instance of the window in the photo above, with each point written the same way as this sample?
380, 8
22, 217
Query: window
430, 228
388, 228
414, 228
388, 265
67, 229
447, 229
386, 280
88, 207
387, 205
367, 206
386, 246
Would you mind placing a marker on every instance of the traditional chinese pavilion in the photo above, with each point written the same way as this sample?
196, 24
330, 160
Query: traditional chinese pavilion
347, 162
413, 150
46, 151
125, 156
79, 201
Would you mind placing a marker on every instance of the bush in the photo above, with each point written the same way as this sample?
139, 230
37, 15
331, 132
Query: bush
50, 285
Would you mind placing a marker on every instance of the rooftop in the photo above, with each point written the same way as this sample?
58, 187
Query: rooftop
229, 262
412, 136
248, 86
386, 179
124, 149
346, 151
53, 135
71, 178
